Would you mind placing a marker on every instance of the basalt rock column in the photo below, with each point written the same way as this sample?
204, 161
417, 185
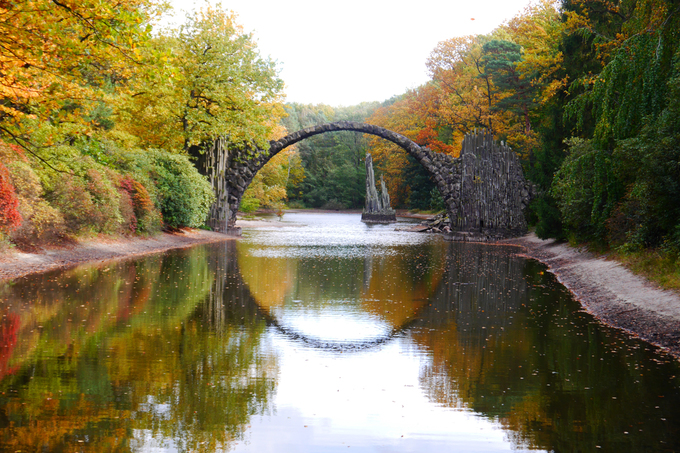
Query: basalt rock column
377, 209
491, 191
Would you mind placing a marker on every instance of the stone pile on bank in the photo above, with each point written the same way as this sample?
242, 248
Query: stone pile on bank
437, 224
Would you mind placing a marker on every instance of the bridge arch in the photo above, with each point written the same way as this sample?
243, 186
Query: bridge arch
240, 174
407, 144
484, 189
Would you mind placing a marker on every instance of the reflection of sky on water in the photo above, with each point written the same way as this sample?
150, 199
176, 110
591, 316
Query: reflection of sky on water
321, 252
369, 400
344, 399
340, 322
329, 235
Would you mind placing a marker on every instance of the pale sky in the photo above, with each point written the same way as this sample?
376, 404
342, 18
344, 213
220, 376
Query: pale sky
350, 51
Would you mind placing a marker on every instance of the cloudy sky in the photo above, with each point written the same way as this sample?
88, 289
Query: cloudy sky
349, 51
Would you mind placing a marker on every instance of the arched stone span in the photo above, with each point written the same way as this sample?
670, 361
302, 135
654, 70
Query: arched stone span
484, 189
240, 174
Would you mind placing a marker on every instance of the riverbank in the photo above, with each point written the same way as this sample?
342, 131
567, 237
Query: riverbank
15, 264
610, 292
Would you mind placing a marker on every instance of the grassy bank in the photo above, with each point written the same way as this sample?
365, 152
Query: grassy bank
657, 266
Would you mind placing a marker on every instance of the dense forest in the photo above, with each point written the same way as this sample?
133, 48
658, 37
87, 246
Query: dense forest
585, 91
328, 171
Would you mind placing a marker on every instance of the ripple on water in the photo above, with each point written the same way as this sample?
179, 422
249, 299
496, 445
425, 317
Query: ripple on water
338, 235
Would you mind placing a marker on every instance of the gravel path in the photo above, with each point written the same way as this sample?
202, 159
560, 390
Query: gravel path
611, 292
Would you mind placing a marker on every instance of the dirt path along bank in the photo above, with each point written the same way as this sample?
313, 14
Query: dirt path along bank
14, 264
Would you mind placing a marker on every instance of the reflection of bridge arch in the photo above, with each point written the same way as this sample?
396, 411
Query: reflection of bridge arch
380, 286
244, 294
337, 346
483, 190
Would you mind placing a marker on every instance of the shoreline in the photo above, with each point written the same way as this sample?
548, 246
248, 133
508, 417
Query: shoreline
16, 264
611, 292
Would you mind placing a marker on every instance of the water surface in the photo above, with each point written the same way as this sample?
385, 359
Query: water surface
320, 338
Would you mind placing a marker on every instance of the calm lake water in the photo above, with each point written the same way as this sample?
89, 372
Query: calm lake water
331, 336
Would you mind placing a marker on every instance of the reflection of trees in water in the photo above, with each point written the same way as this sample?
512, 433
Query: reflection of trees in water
163, 350
398, 285
507, 341
390, 285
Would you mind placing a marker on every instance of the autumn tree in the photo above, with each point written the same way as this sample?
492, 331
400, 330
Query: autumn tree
413, 115
211, 94
209, 81
269, 187
468, 93
58, 60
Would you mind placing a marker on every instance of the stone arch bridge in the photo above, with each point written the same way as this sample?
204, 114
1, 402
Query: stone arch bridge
484, 189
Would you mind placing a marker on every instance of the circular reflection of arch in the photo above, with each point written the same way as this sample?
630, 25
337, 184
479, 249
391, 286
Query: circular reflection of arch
388, 289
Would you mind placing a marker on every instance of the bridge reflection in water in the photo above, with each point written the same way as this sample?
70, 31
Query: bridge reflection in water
190, 351
352, 302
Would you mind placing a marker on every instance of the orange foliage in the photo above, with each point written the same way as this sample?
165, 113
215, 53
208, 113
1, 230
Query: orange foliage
57, 56
415, 116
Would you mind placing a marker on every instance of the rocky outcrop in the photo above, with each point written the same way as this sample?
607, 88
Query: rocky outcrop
377, 209
441, 223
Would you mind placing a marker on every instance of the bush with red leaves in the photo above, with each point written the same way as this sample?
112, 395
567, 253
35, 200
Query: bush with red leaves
10, 218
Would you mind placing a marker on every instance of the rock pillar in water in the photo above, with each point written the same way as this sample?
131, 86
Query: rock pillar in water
377, 208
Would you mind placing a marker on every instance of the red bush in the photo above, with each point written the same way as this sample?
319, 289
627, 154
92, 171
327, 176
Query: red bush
127, 208
10, 152
10, 218
147, 218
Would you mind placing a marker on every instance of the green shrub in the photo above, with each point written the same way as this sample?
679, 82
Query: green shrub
89, 202
185, 196
249, 204
334, 205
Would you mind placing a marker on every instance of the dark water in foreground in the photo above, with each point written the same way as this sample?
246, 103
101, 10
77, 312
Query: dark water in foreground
334, 336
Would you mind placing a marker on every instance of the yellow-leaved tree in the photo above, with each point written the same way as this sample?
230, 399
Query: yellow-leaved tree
208, 81
211, 94
59, 62
269, 186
